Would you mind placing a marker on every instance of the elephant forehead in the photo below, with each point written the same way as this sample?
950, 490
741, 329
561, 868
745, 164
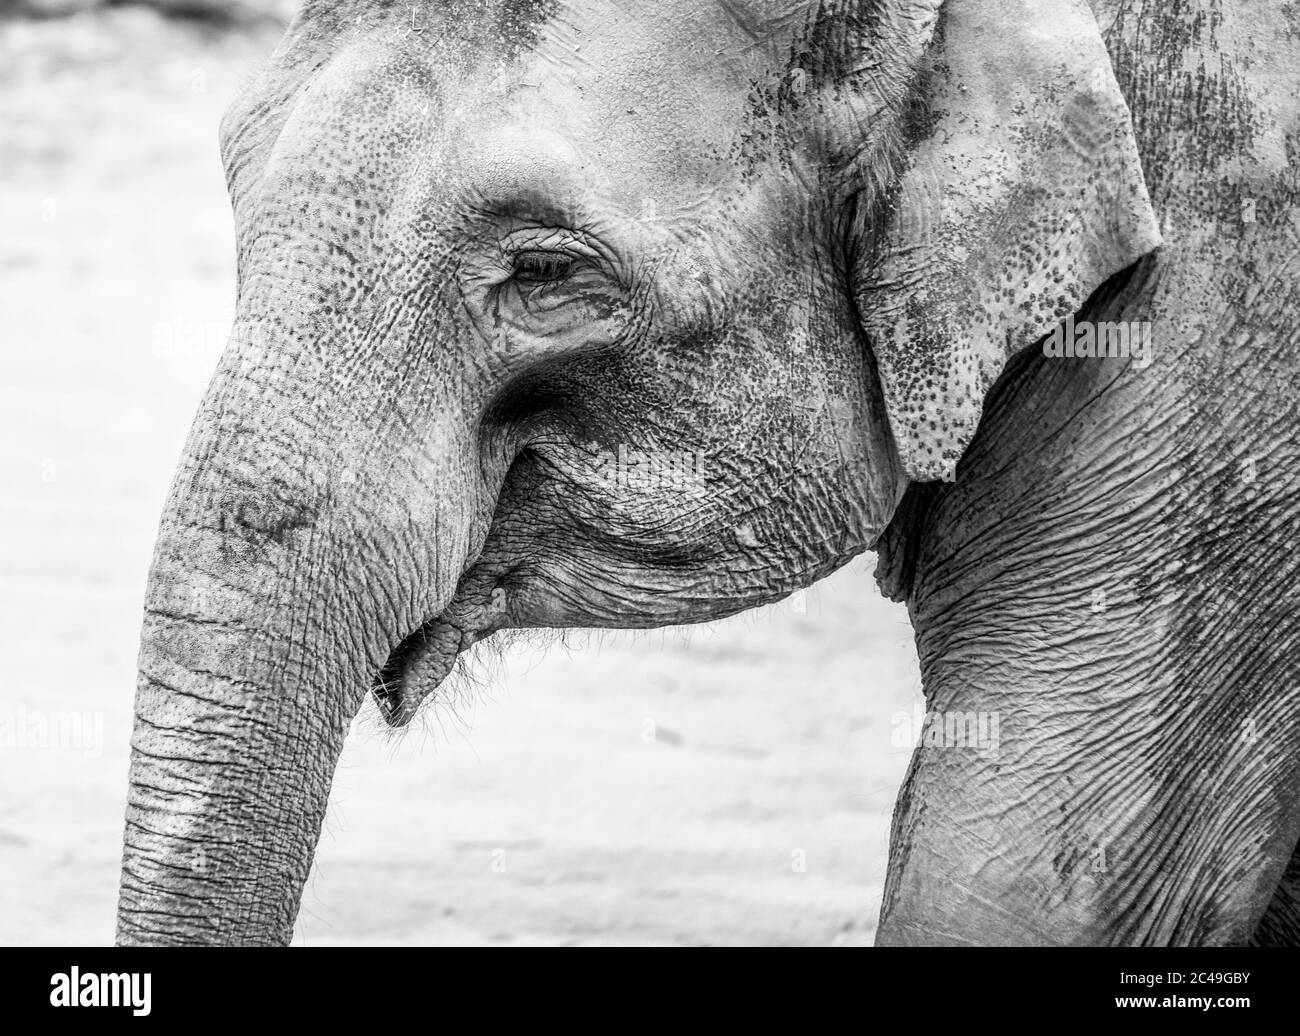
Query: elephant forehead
676, 60
640, 110
645, 104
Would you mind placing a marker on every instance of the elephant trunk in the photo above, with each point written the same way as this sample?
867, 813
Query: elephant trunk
273, 605
240, 716
228, 788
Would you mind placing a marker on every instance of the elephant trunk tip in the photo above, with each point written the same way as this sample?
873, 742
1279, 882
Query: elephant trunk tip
416, 668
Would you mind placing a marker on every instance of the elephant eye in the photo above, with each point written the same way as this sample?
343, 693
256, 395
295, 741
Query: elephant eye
542, 267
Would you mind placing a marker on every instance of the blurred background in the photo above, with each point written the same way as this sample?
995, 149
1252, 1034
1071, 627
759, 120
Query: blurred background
729, 783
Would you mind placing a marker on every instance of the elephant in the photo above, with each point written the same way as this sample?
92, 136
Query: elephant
586, 314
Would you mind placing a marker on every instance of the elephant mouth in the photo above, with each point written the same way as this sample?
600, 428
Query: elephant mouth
417, 667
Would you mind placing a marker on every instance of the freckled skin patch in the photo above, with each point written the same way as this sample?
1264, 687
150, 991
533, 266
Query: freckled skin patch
1009, 215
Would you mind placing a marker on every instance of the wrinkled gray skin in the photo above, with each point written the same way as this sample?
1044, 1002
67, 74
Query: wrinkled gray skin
814, 245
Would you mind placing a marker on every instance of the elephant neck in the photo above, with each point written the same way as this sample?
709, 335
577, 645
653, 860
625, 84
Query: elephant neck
1117, 520
1109, 598
1110, 588
1119, 529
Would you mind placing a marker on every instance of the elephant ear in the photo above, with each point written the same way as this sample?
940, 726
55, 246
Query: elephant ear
1020, 192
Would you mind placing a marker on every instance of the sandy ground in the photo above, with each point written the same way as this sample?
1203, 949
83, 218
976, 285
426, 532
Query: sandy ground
724, 784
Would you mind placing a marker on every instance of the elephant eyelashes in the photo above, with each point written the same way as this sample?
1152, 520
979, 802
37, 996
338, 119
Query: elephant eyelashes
537, 267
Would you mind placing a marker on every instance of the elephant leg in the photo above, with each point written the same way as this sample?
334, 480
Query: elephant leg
1280, 925
1088, 824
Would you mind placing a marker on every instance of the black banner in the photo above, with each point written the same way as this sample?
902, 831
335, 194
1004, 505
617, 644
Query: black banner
492, 986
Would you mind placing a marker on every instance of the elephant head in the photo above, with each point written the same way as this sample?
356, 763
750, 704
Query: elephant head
556, 315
